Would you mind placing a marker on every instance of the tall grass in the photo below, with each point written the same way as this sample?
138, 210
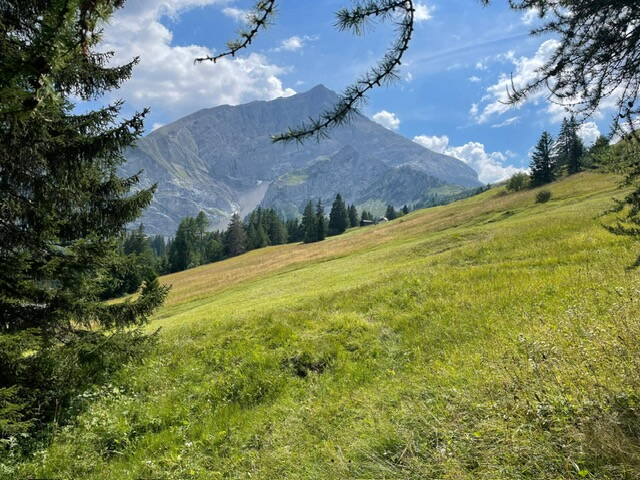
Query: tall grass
494, 338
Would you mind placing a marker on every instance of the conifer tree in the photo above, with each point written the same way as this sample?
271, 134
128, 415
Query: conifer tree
542, 165
391, 213
321, 222
569, 147
63, 207
354, 221
309, 224
405, 210
262, 239
235, 237
338, 217
294, 231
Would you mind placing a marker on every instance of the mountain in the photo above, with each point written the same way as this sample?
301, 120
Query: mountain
221, 160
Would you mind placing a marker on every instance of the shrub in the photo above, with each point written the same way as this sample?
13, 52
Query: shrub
543, 196
519, 181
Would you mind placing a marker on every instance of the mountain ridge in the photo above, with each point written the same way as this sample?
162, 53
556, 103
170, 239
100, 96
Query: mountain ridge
221, 160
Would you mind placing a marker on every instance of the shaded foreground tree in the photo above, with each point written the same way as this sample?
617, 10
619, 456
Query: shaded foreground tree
63, 209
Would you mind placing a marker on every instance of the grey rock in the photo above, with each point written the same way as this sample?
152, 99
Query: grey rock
221, 160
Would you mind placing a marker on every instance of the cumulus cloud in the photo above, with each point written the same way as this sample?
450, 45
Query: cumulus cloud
237, 14
166, 79
474, 79
491, 166
435, 143
423, 12
294, 43
387, 119
589, 133
526, 70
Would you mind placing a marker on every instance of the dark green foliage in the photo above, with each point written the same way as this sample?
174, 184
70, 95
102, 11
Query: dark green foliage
625, 156
543, 196
366, 216
235, 240
338, 217
321, 222
294, 231
518, 181
391, 213
63, 207
405, 210
596, 155
354, 220
569, 148
309, 224
542, 164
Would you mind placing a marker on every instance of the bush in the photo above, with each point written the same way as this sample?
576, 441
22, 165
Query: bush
519, 181
543, 196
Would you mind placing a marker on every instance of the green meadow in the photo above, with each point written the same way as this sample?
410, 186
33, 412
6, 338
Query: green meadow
493, 338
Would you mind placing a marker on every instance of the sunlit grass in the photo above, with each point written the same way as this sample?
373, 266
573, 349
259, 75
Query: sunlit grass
494, 338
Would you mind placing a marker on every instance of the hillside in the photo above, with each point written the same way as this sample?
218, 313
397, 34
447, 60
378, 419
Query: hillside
494, 338
221, 160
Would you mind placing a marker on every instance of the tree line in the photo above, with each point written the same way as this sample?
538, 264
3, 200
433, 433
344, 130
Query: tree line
142, 257
554, 158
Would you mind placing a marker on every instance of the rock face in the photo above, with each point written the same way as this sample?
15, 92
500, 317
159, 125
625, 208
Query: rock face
221, 160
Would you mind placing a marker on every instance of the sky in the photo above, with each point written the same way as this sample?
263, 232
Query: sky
449, 98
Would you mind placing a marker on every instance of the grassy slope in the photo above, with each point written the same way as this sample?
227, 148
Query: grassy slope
489, 339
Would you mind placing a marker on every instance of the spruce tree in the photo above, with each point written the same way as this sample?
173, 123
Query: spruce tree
309, 224
391, 213
321, 222
569, 147
354, 221
338, 217
542, 165
235, 237
63, 206
405, 210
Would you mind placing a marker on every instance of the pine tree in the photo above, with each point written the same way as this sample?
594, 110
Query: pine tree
405, 210
354, 221
542, 166
63, 207
391, 213
294, 231
338, 217
309, 224
321, 222
262, 239
569, 147
235, 237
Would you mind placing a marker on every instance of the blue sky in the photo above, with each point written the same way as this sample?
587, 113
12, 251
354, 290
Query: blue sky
448, 99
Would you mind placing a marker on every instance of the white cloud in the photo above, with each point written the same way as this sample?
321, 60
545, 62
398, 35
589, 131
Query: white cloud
490, 166
481, 66
526, 71
589, 133
423, 12
156, 126
474, 79
387, 119
237, 14
507, 122
530, 16
294, 43
166, 79
435, 143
